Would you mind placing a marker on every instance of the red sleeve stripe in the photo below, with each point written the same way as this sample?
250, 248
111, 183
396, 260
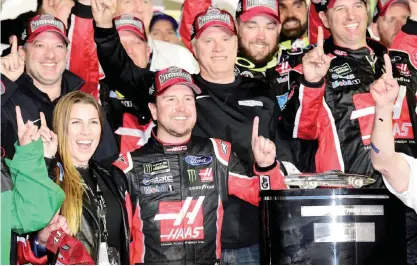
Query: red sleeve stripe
137, 246
334, 143
219, 224
300, 109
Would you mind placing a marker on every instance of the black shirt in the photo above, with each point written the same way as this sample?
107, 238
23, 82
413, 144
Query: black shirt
226, 111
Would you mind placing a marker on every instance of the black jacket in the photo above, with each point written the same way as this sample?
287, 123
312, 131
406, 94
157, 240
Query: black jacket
181, 193
90, 231
226, 113
299, 152
340, 112
32, 101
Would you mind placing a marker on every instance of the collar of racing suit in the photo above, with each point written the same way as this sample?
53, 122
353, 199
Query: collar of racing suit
169, 148
373, 48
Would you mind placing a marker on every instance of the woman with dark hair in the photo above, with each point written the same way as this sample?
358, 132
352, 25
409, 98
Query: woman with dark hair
96, 198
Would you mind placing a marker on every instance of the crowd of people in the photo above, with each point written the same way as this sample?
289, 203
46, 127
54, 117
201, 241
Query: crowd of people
128, 137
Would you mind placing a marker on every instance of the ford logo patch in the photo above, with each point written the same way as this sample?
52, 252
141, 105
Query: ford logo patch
198, 160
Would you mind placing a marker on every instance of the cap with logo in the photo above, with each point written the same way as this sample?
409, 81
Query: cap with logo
172, 76
44, 23
382, 7
323, 5
247, 9
212, 17
130, 23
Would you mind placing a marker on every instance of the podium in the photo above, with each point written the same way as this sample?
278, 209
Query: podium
332, 226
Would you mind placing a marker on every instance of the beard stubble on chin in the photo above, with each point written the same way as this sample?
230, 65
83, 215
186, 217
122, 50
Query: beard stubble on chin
294, 33
175, 133
244, 52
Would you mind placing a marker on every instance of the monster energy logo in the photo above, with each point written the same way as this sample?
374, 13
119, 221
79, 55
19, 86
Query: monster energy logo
210, 17
267, 3
192, 175
156, 167
164, 77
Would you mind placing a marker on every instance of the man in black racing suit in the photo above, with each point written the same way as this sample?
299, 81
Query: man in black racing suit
183, 182
334, 105
226, 107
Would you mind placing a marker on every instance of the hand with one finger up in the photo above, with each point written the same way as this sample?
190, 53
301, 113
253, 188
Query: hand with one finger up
316, 63
49, 138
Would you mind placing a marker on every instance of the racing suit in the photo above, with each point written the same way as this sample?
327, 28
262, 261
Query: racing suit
181, 190
299, 152
224, 111
340, 112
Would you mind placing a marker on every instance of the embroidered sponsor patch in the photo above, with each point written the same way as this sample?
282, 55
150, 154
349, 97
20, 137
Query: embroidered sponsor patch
201, 187
156, 167
198, 160
158, 180
349, 76
224, 147
181, 220
342, 69
265, 183
175, 149
206, 175
192, 175
340, 83
157, 189
247, 74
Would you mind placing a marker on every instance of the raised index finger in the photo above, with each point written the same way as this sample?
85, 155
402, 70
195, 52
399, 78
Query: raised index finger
19, 117
255, 128
388, 66
320, 37
13, 44
43, 119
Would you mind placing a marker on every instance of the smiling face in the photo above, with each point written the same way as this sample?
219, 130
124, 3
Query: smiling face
175, 113
216, 50
258, 38
293, 14
347, 21
46, 58
84, 132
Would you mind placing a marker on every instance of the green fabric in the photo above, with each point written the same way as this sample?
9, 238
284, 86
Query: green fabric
34, 200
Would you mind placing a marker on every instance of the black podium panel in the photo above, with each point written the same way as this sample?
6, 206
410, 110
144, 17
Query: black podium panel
332, 226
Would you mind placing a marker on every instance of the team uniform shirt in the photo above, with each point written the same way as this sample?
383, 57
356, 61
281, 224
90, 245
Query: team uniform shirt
224, 111
181, 191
